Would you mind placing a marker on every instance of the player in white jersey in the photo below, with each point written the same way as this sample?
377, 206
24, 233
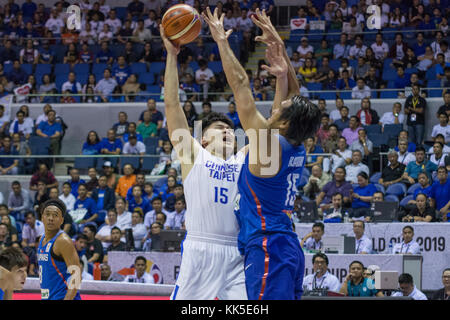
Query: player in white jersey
211, 265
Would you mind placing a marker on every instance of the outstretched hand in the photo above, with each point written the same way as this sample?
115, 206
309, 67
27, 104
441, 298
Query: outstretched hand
215, 24
274, 55
270, 34
171, 47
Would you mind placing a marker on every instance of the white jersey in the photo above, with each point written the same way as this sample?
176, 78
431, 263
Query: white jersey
210, 192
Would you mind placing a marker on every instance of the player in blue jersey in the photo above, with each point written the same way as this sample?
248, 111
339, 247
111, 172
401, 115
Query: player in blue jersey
274, 261
59, 265
13, 272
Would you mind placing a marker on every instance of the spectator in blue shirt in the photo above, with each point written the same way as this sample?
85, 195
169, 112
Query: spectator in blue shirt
105, 55
122, 71
362, 196
8, 165
17, 75
426, 24
233, 115
311, 147
111, 144
341, 49
85, 208
136, 8
132, 130
75, 181
402, 80
345, 83
28, 9
45, 53
104, 197
403, 135
138, 201
92, 144
420, 45
440, 65
51, 129
440, 193
8, 55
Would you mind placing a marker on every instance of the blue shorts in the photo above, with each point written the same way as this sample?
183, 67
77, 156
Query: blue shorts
274, 267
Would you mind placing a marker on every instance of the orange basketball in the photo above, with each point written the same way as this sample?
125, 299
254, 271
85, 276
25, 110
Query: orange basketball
181, 23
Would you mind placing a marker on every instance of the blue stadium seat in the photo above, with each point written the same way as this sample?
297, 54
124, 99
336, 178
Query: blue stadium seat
153, 89
151, 143
398, 189
434, 83
388, 94
43, 68
391, 84
39, 145
435, 93
378, 139
62, 68
389, 35
335, 64
391, 198
157, 67
327, 95
99, 68
413, 188
7, 67
314, 86
82, 78
84, 163
27, 68
387, 63
215, 66
373, 128
138, 68
134, 161
147, 78
375, 177
333, 37
59, 81
411, 70
149, 163
345, 95
303, 182
315, 36
121, 12
389, 74
81, 68
353, 63
431, 73
194, 65
406, 199
380, 188
392, 130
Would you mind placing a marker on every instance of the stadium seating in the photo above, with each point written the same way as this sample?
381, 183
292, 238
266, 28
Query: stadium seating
413, 188
406, 199
397, 189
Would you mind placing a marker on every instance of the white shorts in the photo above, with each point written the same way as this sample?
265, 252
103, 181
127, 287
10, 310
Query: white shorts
210, 268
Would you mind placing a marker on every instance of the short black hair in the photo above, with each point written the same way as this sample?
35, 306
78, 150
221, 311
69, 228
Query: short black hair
140, 258
11, 257
320, 225
115, 228
420, 148
81, 236
91, 227
157, 198
405, 278
214, 117
54, 202
304, 119
409, 227
320, 255
358, 262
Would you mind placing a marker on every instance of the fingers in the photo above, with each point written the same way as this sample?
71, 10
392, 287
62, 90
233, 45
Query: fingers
228, 33
221, 18
259, 38
162, 32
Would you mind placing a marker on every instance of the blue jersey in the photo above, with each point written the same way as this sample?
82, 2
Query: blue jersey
53, 275
1, 294
266, 204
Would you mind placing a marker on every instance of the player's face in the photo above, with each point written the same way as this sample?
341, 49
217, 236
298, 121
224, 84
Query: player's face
408, 235
219, 139
52, 218
274, 120
20, 275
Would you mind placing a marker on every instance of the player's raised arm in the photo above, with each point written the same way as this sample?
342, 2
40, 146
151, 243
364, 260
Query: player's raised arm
65, 249
176, 120
270, 35
235, 74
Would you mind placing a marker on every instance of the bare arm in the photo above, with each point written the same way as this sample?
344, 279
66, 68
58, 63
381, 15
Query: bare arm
65, 248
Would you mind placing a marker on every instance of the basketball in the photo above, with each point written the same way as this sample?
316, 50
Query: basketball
181, 23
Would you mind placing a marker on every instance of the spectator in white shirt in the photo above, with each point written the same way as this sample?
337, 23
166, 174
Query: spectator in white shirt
438, 157
141, 34
88, 35
138, 227
380, 48
358, 49
336, 113
313, 240
229, 22
85, 275
304, 48
408, 245
321, 278
54, 23
440, 138
244, 23
175, 220
133, 146
104, 233
341, 157
104, 8
361, 90
19, 125
202, 76
67, 197
355, 167
408, 289
32, 230
442, 128
295, 61
113, 22
394, 117
140, 276
106, 86
123, 215
404, 156
363, 245
106, 34
71, 85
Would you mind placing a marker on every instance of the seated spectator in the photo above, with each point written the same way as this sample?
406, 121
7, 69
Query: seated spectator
93, 182
446, 106
43, 174
425, 60
316, 182
51, 129
343, 121
103, 196
157, 116
408, 61
358, 50
8, 165
330, 143
32, 230
131, 88
149, 192
107, 275
91, 83
71, 85
439, 194
295, 60
141, 34
126, 181
88, 35
85, 55
122, 71
440, 66
355, 167
105, 34
362, 197
202, 76
147, 128
177, 192
105, 86
408, 245
104, 233
351, 133
345, 66
47, 87
398, 49
308, 71
338, 184
330, 81
403, 135
336, 213
438, 157
363, 244
132, 131
312, 147
345, 83
233, 115
444, 293
92, 145
313, 240
442, 128
176, 218
19, 199
402, 80
104, 55
111, 144
362, 69
304, 48
341, 49
40, 196
94, 248
67, 197
394, 117
13, 235
71, 56
414, 168
116, 243
363, 144
75, 181
121, 127
111, 177
424, 188
138, 228
17, 76
321, 278
85, 209
8, 54
440, 138
356, 285
137, 200
408, 289
393, 173
366, 114
340, 158
151, 216
372, 80
421, 211
29, 54
140, 263
380, 48
133, 146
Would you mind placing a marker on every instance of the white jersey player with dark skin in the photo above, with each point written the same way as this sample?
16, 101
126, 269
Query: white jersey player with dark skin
211, 265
